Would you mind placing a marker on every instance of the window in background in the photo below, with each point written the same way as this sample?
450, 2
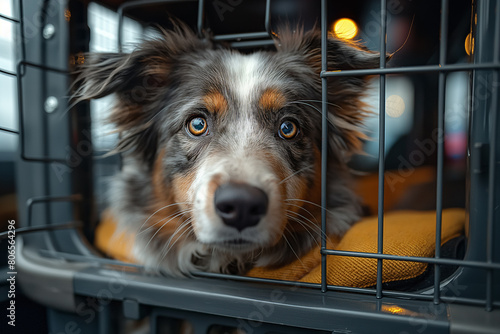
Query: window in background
103, 24
456, 115
8, 107
8, 119
399, 115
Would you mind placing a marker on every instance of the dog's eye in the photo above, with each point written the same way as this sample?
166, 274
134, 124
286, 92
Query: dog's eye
288, 130
198, 126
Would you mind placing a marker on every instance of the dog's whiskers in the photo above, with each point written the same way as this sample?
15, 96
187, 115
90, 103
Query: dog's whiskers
312, 224
291, 247
302, 208
295, 173
160, 209
303, 223
308, 228
157, 231
169, 245
175, 214
165, 249
309, 202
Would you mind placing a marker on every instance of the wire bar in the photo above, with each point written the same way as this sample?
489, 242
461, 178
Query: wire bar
39, 228
9, 19
381, 147
21, 30
267, 19
201, 18
365, 291
200, 22
324, 138
9, 130
252, 44
413, 69
13, 74
492, 164
409, 295
138, 3
226, 37
35, 200
440, 146
431, 260
249, 35
42, 67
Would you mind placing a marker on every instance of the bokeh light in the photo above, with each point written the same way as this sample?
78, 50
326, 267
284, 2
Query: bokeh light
469, 44
345, 28
395, 106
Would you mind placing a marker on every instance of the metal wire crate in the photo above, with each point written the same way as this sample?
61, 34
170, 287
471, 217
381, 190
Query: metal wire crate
83, 291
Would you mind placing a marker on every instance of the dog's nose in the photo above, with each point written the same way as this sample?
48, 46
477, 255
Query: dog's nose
240, 205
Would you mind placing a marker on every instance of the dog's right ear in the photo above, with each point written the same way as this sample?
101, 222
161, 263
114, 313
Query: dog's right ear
104, 74
139, 79
146, 67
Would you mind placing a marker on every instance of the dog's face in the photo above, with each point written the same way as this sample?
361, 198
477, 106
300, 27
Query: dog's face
237, 131
223, 160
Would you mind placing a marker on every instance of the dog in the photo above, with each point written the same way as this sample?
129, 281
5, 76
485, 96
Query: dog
222, 149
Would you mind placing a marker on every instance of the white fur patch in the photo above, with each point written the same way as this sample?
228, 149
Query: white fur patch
209, 227
245, 73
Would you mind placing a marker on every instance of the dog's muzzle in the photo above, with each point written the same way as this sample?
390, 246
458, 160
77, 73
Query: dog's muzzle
240, 205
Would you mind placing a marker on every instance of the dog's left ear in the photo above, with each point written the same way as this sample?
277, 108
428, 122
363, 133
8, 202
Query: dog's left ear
342, 54
346, 109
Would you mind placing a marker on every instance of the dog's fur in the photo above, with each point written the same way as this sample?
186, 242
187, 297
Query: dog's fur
165, 191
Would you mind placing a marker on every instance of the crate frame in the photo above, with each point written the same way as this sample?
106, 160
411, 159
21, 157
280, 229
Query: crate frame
85, 274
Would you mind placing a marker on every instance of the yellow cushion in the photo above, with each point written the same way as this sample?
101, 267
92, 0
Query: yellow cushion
406, 233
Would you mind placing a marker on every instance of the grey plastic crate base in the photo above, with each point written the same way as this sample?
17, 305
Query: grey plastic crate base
247, 302
95, 297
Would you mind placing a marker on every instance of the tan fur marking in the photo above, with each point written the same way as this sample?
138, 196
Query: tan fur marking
213, 184
215, 102
167, 218
182, 185
272, 99
313, 195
